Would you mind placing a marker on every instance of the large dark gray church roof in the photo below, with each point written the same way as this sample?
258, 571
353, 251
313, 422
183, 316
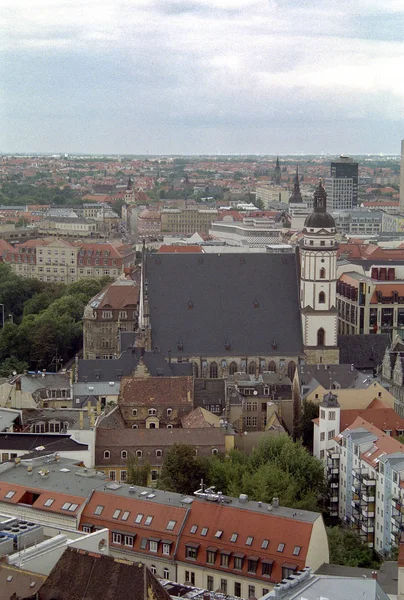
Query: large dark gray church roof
224, 304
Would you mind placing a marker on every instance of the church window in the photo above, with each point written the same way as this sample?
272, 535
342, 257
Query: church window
321, 298
322, 273
320, 337
251, 368
272, 366
291, 369
232, 368
213, 370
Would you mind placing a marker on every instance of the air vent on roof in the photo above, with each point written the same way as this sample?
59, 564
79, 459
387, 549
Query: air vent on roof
111, 383
143, 493
187, 500
113, 486
243, 498
151, 496
132, 489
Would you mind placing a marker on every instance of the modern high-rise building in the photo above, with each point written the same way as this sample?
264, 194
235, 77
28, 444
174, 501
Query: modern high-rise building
345, 167
340, 194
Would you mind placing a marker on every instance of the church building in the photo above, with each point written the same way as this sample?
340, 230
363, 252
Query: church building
253, 312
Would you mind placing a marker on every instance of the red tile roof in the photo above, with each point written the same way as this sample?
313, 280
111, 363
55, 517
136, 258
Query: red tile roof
384, 418
385, 444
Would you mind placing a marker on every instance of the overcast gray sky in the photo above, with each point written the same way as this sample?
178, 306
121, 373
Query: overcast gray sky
202, 76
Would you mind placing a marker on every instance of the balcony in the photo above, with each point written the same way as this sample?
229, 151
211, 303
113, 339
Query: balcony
332, 455
369, 512
334, 484
368, 527
367, 498
366, 481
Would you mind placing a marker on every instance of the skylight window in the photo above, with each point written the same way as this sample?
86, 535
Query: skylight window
218, 533
98, 510
139, 518
73, 507
249, 541
194, 528
204, 530
281, 547
66, 505
125, 515
49, 502
148, 521
171, 525
296, 550
265, 544
234, 537
9, 494
116, 514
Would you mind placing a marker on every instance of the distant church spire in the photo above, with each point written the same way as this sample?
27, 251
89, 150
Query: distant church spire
296, 196
130, 184
277, 172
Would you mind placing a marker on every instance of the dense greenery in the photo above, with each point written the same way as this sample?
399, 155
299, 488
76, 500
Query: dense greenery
42, 321
304, 429
13, 193
278, 467
346, 548
137, 474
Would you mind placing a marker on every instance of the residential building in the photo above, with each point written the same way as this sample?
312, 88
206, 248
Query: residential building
392, 372
15, 445
345, 167
63, 261
33, 390
148, 225
177, 537
270, 194
367, 468
116, 446
188, 220
371, 303
402, 178
113, 310
359, 221
71, 227
339, 193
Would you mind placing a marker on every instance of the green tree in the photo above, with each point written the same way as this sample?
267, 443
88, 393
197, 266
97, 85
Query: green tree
259, 204
182, 471
304, 429
346, 548
137, 474
11, 365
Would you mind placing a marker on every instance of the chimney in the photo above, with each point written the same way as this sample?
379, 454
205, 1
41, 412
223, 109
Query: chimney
374, 574
275, 502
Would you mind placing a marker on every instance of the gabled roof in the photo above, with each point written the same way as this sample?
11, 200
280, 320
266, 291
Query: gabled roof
79, 574
363, 351
17, 581
384, 418
153, 391
205, 304
200, 417
30, 441
383, 444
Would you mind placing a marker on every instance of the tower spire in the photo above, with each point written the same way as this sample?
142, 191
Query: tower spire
277, 172
296, 196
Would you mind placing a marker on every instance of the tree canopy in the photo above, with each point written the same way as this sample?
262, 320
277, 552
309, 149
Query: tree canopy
42, 320
278, 467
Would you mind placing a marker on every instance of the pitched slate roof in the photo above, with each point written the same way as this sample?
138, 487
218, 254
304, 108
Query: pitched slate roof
249, 302
79, 574
30, 441
363, 351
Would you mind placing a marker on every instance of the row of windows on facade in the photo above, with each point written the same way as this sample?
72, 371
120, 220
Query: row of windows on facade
251, 369
223, 588
139, 453
122, 314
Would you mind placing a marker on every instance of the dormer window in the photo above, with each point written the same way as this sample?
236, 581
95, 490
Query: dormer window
107, 454
124, 454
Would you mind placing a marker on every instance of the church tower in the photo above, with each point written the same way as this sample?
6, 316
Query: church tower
318, 273
296, 196
277, 172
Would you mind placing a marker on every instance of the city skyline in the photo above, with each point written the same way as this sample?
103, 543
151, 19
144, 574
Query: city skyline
202, 77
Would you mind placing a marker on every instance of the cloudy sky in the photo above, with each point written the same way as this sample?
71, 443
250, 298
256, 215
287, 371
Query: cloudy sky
202, 76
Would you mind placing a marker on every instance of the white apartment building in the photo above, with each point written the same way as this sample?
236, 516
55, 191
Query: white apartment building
365, 471
339, 193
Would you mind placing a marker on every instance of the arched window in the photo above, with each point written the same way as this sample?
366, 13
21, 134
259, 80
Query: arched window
322, 273
232, 368
291, 369
215, 451
153, 569
251, 368
213, 370
134, 426
107, 454
152, 426
124, 454
139, 453
134, 412
159, 453
321, 298
272, 366
320, 337
195, 369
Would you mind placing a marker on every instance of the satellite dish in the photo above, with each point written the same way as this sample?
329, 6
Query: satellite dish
255, 393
